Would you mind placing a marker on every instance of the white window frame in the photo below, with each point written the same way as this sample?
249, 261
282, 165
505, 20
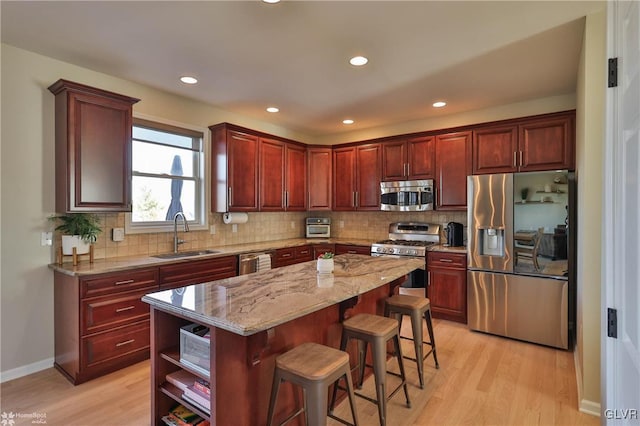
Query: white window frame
203, 205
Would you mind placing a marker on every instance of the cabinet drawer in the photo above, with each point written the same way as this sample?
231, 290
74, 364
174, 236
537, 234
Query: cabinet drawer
304, 254
107, 346
196, 272
119, 282
102, 313
351, 249
319, 249
439, 259
285, 256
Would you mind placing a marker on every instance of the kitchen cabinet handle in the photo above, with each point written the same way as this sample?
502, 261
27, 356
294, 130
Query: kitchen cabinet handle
229, 196
304, 251
445, 260
520, 158
128, 308
286, 255
408, 169
429, 278
515, 160
124, 282
126, 342
357, 201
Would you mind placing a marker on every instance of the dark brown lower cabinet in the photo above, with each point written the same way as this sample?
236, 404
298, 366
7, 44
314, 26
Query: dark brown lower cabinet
447, 285
353, 249
101, 325
292, 255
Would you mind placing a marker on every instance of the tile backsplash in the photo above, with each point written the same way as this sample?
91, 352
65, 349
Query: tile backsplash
260, 227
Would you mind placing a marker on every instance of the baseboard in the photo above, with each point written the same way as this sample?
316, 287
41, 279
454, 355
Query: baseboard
584, 405
25, 370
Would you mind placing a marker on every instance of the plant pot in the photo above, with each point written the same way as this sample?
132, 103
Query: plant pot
325, 266
71, 241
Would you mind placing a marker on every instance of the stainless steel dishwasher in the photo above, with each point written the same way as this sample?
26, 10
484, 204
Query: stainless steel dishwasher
254, 262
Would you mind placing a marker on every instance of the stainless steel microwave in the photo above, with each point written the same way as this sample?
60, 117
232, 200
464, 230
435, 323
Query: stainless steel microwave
407, 195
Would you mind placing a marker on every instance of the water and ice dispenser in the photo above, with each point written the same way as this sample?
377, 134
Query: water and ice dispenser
491, 242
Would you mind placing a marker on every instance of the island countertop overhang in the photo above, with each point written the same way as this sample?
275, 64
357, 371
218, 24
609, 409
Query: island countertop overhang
249, 304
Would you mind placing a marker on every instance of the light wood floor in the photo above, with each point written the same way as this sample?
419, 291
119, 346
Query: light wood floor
482, 380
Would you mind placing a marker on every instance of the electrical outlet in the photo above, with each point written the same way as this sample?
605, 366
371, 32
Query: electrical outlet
117, 234
341, 223
46, 239
234, 227
212, 229
293, 225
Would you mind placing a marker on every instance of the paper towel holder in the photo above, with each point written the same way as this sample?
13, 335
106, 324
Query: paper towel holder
235, 218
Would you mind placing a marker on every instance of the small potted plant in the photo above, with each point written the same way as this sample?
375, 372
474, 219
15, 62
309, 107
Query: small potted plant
325, 263
79, 230
524, 193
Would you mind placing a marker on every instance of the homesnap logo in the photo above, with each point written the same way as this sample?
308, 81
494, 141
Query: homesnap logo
9, 419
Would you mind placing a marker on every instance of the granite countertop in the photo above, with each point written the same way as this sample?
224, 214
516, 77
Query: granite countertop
446, 248
134, 262
248, 304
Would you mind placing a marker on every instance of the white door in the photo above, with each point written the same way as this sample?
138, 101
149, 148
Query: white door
621, 272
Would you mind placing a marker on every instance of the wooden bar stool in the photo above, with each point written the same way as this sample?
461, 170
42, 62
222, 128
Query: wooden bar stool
416, 308
377, 331
314, 368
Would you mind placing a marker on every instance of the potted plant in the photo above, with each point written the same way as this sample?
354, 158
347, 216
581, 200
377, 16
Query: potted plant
79, 231
524, 193
325, 263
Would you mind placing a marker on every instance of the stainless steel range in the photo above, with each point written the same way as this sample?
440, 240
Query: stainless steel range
407, 239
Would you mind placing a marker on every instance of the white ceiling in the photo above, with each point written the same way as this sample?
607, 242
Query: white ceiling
294, 55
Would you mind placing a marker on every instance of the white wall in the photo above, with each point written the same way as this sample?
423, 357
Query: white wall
27, 183
589, 163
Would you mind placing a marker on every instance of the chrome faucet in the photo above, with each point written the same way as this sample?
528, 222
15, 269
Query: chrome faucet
176, 240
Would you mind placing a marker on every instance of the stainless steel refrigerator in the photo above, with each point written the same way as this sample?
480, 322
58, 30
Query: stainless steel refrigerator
521, 243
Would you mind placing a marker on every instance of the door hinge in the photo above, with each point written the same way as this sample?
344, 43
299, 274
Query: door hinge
613, 72
612, 323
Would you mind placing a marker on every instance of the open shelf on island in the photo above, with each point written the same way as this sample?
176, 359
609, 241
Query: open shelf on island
175, 393
173, 356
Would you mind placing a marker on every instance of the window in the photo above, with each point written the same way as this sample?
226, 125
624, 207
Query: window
167, 176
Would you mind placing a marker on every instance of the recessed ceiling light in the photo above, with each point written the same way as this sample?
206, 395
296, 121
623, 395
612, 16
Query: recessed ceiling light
358, 61
273, 109
439, 104
348, 121
271, 1
188, 79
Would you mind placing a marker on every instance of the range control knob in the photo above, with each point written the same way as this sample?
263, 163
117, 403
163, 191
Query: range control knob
380, 249
412, 252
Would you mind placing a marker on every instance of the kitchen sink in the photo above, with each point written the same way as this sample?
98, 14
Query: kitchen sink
181, 254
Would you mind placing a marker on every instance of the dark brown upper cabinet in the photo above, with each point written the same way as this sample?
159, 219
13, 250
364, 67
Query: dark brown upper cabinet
453, 164
93, 148
320, 174
536, 144
408, 159
356, 177
282, 176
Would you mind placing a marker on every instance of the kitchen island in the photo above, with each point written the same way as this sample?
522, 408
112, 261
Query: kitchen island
254, 318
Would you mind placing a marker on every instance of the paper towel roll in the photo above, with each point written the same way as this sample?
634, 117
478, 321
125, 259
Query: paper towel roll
235, 218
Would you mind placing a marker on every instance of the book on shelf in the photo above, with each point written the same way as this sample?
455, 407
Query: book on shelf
201, 400
202, 386
181, 379
182, 416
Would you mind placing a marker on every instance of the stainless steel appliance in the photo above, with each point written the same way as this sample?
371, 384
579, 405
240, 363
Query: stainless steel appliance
408, 195
409, 239
254, 262
318, 227
530, 301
